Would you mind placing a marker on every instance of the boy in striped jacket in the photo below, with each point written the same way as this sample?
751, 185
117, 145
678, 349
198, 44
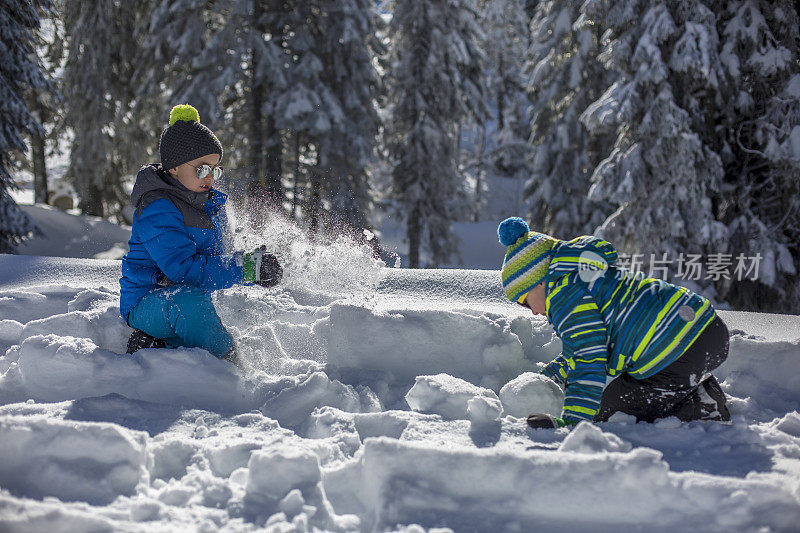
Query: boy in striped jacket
656, 342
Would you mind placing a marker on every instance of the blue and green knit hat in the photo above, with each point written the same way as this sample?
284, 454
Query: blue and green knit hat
527, 259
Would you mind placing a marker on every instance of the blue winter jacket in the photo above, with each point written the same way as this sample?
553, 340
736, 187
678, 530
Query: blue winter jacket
177, 238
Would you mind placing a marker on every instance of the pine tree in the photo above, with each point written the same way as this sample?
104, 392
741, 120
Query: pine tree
293, 83
435, 84
19, 72
348, 47
662, 173
565, 76
103, 38
503, 143
760, 149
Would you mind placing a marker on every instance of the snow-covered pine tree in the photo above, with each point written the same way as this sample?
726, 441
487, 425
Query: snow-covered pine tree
19, 72
760, 149
565, 76
662, 174
226, 59
504, 148
348, 48
102, 40
435, 82
295, 84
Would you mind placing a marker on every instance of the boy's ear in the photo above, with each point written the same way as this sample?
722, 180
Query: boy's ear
173, 171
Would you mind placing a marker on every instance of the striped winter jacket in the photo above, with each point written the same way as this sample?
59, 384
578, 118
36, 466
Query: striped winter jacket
611, 320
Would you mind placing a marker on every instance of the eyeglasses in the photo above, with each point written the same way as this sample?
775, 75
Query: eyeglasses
205, 169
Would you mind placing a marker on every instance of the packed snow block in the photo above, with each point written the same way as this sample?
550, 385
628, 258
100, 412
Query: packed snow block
391, 482
763, 370
531, 392
588, 438
411, 342
102, 325
73, 461
396, 482
273, 473
292, 406
445, 396
55, 368
288, 480
22, 515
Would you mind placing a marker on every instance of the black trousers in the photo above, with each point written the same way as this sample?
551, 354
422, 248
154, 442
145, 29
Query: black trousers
672, 391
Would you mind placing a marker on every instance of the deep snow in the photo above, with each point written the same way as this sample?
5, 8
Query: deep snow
317, 431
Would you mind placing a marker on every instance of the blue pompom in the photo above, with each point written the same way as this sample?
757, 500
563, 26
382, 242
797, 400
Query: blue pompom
511, 229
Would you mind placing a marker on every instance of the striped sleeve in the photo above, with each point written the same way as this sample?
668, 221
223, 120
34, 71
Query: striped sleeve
557, 369
576, 318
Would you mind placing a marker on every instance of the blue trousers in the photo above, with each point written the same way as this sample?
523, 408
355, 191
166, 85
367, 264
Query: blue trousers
182, 315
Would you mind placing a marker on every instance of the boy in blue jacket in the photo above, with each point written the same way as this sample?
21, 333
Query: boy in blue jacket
657, 342
176, 251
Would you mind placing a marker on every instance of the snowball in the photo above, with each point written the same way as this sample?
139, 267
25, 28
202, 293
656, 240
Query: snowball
588, 438
444, 395
532, 393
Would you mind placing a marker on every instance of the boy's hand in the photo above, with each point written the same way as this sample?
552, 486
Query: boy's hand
261, 268
539, 421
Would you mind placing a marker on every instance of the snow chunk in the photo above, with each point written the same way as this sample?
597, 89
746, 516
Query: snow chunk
273, 473
288, 480
532, 393
790, 424
73, 461
482, 410
446, 396
588, 438
293, 405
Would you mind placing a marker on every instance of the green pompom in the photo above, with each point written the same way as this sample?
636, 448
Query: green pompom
183, 112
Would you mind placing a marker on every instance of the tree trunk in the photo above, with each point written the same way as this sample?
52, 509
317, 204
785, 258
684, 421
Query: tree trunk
92, 201
39, 169
296, 175
273, 164
257, 189
414, 230
314, 202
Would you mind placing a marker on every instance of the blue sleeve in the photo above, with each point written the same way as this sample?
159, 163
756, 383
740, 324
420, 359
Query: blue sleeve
557, 369
165, 238
577, 320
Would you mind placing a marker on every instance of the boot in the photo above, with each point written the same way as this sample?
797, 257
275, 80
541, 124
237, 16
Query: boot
139, 339
710, 390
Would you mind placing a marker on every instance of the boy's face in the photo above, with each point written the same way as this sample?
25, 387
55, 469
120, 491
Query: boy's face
187, 173
535, 300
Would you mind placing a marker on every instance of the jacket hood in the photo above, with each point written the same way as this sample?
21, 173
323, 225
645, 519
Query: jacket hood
153, 178
581, 254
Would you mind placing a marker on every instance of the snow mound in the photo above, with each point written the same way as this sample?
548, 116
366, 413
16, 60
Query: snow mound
531, 393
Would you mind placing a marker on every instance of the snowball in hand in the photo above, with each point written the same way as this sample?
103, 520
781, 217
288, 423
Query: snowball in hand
531, 393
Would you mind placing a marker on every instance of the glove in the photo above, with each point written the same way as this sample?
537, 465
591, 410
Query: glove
539, 421
261, 268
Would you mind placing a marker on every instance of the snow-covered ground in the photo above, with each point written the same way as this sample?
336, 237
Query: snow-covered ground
318, 432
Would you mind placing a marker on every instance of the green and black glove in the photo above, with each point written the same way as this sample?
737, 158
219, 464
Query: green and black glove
539, 421
261, 268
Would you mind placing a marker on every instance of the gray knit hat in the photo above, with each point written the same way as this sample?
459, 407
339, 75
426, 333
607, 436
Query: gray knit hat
185, 139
